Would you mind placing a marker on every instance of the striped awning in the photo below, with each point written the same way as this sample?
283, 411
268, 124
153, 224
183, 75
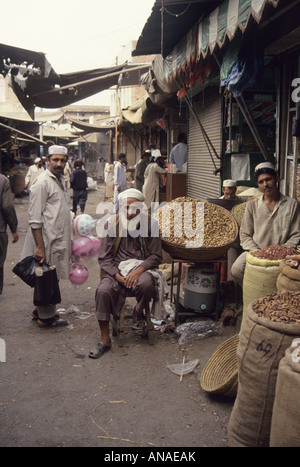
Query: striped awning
222, 23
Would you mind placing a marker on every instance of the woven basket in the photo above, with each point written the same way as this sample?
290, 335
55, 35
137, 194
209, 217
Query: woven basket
220, 374
238, 212
195, 254
203, 253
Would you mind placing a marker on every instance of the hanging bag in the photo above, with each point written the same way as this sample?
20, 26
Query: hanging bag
46, 288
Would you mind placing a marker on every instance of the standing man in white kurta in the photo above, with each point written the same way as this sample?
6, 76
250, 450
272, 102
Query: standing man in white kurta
152, 178
120, 182
49, 235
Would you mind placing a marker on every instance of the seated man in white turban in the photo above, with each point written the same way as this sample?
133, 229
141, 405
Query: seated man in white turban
123, 243
269, 220
229, 191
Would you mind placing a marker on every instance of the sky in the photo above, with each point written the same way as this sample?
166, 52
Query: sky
75, 35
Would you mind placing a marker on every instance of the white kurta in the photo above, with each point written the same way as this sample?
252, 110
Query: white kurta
32, 174
151, 184
119, 181
49, 210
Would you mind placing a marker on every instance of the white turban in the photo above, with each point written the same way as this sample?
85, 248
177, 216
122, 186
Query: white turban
131, 193
265, 165
37, 160
229, 183
156, 154
62, 150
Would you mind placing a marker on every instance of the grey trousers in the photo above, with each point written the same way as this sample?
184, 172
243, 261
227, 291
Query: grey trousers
238, 269
111, 295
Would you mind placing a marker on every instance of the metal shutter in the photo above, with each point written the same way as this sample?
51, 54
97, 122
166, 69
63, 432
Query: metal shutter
201, 182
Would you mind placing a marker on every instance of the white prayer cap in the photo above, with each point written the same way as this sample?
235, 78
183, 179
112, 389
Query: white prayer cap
156, 154
131, 193
264, 165
229, 183
37, 160
62, 150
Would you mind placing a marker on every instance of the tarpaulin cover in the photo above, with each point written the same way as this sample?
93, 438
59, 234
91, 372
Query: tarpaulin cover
223, 22
36, 84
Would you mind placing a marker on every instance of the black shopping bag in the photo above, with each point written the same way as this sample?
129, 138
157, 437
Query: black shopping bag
46, 288
25, 269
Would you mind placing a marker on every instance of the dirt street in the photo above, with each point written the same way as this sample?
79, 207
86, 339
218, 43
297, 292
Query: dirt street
52, 394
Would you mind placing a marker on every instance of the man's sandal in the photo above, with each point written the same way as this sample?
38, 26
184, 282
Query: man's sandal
35, 315
99, 350
52, 322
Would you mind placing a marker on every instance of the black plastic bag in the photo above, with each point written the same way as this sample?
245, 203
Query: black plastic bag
25, 269
46, 288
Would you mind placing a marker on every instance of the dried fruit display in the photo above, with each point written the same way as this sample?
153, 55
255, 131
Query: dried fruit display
274, 252
280, 307
219, 226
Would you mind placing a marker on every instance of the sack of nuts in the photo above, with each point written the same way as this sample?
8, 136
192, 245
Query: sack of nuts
261, 272
289, 276
285, 425
270, 325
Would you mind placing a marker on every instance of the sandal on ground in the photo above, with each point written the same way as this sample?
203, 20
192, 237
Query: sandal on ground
99, 350
139, 322
51, 322
35, 315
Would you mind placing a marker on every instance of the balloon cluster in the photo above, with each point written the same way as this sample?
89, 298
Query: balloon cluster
84, 246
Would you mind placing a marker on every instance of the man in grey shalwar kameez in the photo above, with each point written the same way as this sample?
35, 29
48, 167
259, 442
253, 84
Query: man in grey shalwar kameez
111, 292
49, 235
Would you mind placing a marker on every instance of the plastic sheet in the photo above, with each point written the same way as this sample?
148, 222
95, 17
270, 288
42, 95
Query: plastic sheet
198, 330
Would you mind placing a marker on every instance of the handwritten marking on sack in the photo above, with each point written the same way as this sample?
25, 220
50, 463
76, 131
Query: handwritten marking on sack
265, 349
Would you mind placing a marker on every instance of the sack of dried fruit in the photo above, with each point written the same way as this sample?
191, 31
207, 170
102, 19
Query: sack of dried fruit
268, 329
261, 272
289, 276
285, 424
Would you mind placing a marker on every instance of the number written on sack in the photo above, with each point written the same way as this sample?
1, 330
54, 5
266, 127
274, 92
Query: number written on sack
265, 348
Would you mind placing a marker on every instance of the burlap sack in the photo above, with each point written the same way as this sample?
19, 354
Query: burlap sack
262, 344
259, 279
288, 278
285, 425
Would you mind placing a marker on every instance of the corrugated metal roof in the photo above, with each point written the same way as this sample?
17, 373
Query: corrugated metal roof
164, 29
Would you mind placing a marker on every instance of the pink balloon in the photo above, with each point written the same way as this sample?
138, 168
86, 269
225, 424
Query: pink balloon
79, 274
82, 246
96, 245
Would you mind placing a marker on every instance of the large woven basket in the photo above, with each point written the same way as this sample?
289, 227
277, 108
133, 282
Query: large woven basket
220, 374
195, 254
238, 212
179, 251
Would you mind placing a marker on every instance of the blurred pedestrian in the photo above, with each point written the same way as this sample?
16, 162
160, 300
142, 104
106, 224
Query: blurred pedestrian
152, 178
140, 170
33, 172
178, 154
120, 182
78, 181
8, 217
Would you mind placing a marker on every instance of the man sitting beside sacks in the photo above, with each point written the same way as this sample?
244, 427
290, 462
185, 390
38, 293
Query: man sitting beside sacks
269, 220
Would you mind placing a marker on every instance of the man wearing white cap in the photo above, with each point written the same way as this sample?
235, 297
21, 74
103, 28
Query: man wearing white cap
229, 190
49, 236
152, 178
117, 247
269, 220
33, 172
